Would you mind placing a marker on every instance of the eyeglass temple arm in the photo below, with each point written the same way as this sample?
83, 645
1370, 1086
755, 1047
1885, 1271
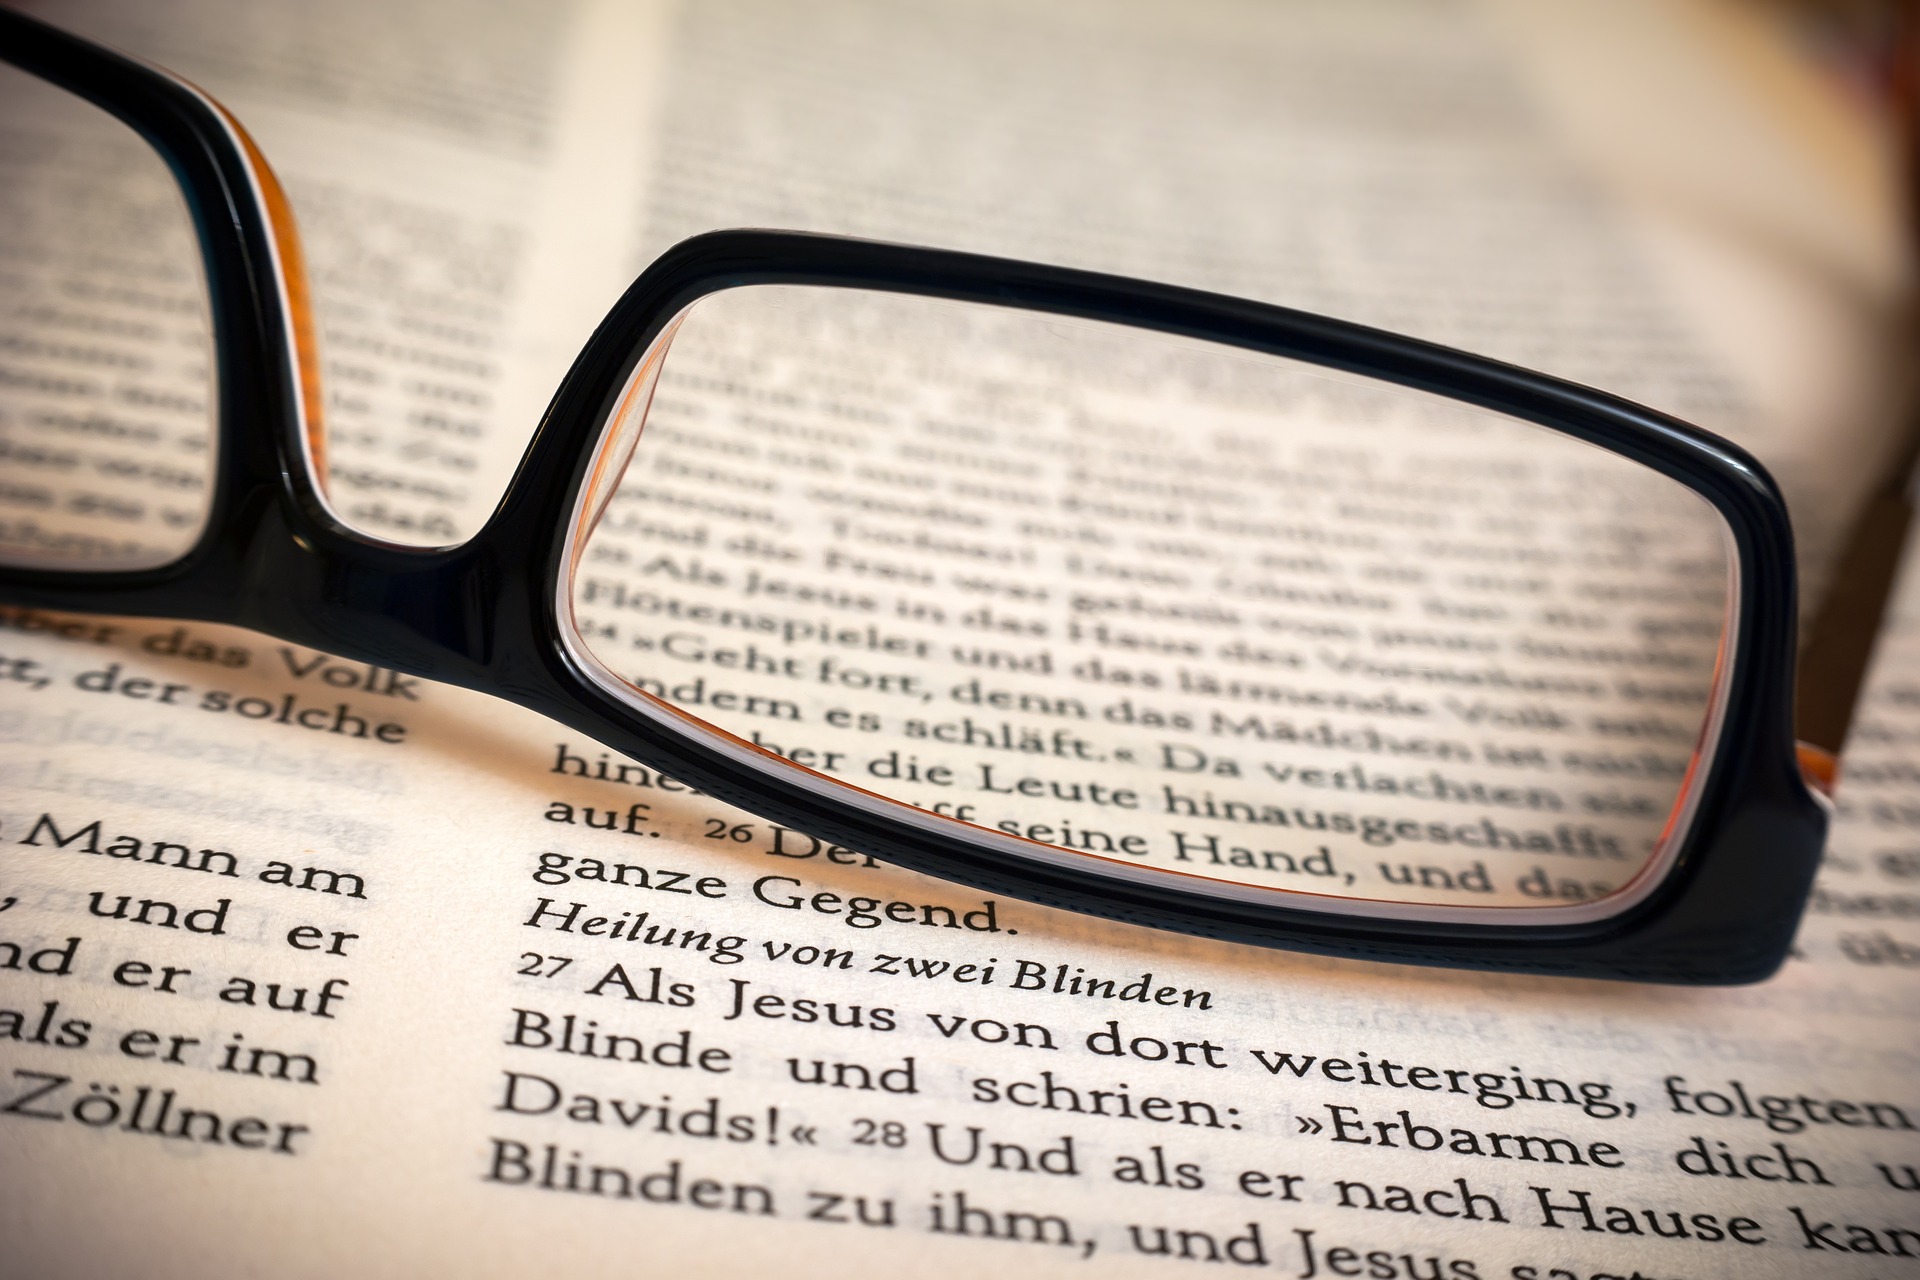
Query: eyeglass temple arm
1844, 630
1842, 633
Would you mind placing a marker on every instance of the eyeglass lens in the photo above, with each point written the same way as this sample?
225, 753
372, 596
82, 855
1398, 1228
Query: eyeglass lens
106, 354
1160, 602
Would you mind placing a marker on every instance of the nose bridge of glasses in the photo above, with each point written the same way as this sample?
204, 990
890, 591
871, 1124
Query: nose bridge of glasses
432, 612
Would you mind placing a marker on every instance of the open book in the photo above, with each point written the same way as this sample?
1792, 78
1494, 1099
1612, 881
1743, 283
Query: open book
429, 985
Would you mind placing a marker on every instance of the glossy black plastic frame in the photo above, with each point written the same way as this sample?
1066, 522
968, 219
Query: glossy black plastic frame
486, 614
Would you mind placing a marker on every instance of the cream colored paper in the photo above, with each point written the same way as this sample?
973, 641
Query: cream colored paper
388, 851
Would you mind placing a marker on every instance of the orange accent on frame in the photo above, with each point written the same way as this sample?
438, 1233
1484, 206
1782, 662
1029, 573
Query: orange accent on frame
1702, 747
616, 449
293, 277
1820, 767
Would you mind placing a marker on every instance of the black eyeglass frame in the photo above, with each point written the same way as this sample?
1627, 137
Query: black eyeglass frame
488, 613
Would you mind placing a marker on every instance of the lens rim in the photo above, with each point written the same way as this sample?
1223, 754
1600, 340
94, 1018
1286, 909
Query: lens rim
263, 362
1720, 903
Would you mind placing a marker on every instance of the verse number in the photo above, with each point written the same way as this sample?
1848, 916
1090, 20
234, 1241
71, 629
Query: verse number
739, 833
879, 1133
535, 965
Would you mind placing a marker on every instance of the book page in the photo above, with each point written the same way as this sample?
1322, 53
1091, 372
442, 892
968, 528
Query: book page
311, 968
1767, 202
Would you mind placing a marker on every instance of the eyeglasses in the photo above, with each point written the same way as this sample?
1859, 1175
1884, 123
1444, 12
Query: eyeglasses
1159, 605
